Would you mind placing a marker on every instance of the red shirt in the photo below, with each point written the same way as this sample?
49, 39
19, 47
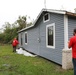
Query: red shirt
72, 44
15, 42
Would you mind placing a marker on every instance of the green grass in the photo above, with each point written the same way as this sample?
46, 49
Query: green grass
16, 64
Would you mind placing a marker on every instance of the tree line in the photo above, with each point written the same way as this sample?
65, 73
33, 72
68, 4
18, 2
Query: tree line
10, 30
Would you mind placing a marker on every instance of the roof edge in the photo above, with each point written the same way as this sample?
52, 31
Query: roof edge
25, 28
64, 12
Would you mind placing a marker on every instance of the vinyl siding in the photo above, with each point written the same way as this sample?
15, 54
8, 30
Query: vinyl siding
53, 54
71, 26
39, 31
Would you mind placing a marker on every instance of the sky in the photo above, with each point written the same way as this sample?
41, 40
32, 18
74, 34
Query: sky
10, 10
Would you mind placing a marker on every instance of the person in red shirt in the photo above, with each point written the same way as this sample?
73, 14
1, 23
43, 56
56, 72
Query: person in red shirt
14, 44
72, 44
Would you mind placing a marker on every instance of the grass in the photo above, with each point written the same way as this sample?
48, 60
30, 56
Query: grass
15, 64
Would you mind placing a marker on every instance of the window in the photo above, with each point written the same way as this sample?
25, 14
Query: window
50, 35
25, 37
46, 17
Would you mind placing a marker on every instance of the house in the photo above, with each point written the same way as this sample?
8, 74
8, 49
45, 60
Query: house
49, 34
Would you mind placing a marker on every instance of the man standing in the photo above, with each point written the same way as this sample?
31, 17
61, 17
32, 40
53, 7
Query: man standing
14, 44
72, 44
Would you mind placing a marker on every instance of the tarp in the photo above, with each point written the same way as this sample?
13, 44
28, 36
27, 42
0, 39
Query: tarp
21, 51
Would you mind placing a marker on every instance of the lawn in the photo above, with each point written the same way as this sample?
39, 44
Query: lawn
17, 64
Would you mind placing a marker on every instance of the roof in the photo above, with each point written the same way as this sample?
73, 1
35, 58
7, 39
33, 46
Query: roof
52, 11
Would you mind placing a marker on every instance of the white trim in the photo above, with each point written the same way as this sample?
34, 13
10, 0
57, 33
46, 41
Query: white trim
53, 24
24, 37
56, 11
21, 39
65, 32
25, 28
48, 18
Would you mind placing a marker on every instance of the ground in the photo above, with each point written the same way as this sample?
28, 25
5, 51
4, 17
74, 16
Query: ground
18, 64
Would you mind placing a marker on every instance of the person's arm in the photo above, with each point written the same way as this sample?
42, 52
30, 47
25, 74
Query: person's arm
70, 43
17, 42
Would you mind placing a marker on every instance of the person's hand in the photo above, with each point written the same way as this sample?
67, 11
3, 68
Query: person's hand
68, 42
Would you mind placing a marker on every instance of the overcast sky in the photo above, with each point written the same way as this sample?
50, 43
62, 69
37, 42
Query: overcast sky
11, 9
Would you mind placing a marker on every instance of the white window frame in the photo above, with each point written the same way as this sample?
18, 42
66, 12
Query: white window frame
53, 24
21, 42
24, 37
44, 18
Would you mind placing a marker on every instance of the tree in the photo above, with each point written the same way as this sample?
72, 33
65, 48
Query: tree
21, 22
75, 10
7, 27
10, 30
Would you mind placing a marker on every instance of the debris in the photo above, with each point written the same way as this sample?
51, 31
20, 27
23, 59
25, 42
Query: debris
21, 51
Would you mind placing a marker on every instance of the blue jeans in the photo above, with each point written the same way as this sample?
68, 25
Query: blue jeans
74, 65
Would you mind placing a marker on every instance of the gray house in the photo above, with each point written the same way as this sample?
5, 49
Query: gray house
49, 34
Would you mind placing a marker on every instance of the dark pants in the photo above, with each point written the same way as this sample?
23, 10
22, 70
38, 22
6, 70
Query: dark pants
14, 48
74, 64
